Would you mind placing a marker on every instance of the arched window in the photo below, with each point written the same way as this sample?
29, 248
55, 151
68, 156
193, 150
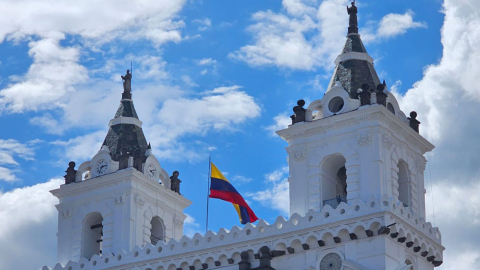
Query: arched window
334, 180
92, 235
404, 183
157, 233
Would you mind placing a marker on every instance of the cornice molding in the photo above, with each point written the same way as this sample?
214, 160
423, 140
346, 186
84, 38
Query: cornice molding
353, 56
125, 120
374, 112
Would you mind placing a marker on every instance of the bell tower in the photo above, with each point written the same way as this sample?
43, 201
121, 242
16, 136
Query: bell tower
355, 150
119, 199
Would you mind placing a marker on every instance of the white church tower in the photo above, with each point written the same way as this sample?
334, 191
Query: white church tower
114, 202
357, 195
354, 153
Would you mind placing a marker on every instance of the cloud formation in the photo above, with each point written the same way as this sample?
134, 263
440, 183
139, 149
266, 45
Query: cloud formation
163, 107
309, 35
281, 121
447, 100
396, 24
276, 196
10, 150
28, 225
222, 108
92, 20
56, 71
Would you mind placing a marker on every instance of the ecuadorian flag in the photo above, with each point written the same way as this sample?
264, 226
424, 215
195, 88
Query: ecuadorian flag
220, 188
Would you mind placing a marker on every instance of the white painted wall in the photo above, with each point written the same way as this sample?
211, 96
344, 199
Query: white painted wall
127, 200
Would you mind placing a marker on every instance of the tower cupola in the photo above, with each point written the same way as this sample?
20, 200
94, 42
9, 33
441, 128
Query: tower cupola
119, 199
354, 150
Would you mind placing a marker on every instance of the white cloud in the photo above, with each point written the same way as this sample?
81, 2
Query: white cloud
457, 213
96, 21
277, 175
447, 100
50, 124
28, 224
163, 107
191, 227
188, 81
7, 174
208, 62
205, 24
222, 108
9, 150
93, 103
309, 35
53, 73
277, 195
81, 148
298, 8
56, 73
151, 67
396, 24
281, 122
240, 179
279, 40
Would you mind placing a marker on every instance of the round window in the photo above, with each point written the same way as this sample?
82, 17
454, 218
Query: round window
390, 107
336, 104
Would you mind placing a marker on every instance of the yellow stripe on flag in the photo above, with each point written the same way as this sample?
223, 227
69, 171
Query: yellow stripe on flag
238, 211
216, 173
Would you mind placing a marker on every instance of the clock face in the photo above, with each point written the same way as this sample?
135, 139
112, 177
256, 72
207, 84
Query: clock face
151, 170
331, 261
102, 166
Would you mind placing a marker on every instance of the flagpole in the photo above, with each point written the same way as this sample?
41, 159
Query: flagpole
208, 190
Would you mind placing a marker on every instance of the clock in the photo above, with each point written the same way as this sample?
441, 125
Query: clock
151, 170
102, 166
331, 261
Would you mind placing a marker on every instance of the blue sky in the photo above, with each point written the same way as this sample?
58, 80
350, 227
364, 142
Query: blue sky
218, 77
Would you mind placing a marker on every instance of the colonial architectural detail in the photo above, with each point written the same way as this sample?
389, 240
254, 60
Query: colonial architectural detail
121, 204
120, 199
139, 201
178, 222
300, 155
356, 189
421, 164
66, 213
388, 142
365, 139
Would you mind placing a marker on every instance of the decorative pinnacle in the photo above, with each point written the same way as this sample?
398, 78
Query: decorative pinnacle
352, 23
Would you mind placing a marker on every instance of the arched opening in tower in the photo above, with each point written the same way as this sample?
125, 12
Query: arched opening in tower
333, 180
92, 235
157, 232
403, 183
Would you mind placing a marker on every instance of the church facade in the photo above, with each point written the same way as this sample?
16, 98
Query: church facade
356, 179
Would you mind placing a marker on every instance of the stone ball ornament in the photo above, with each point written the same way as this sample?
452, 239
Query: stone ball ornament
301, 102
413, 114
